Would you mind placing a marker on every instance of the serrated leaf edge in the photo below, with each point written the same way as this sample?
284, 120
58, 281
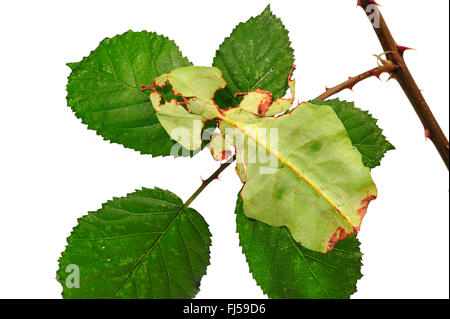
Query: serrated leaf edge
294, 243
241, 24
183, 208
74, 65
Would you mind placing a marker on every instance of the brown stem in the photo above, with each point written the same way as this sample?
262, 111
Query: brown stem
206, 182
394, 53
351, 82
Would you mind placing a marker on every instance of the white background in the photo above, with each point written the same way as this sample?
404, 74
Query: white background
53, 170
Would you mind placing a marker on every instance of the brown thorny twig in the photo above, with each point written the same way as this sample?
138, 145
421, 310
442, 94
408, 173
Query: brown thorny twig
394, 53
396, 67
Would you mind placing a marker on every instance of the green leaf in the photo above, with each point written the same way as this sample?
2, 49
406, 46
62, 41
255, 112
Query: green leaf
302, 172
144, 245
257, 54
284, 269
362, 129
104, 89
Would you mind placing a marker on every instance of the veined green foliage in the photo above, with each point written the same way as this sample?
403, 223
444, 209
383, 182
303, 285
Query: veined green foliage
260, 103
362, 129
104, 89
144, 245
257, 55
309, 178
285, 269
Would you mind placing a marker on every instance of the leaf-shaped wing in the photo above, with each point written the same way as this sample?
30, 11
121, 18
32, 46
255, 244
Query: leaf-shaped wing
284, 269
305, 273
219, 148
362, 129
195, 81
144, 245
197, 86
302, 172
104, 89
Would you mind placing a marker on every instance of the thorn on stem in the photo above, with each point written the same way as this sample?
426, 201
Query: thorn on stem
360, 4
376, 74
391, 76
428, 134
350, 87
401, 49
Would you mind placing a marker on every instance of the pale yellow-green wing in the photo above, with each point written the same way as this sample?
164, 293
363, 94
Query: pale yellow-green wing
181, 125
194, 81
220, 150
303, 172
184, 121
282, 105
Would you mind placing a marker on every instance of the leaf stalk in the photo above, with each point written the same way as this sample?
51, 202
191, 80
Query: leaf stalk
206, 182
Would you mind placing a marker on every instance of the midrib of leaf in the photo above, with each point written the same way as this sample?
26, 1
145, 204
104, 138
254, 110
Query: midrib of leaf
149, 250
291, 167
295, 245
309, 268
115, 79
